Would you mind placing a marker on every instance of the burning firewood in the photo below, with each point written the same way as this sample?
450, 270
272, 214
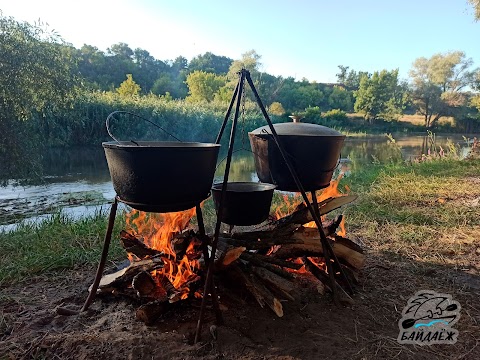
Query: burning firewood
261, 261
262, 295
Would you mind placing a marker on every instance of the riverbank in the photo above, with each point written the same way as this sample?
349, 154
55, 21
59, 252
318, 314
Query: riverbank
420, 224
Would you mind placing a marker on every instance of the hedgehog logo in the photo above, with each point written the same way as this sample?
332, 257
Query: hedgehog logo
428, 319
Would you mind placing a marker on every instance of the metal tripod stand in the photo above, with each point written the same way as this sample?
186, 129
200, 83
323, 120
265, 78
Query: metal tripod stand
330, 257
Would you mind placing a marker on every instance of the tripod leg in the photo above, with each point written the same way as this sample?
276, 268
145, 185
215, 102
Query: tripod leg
324, 241
213, 291
103, 258
216, 235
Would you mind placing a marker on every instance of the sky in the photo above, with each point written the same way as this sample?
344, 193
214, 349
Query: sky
297, 38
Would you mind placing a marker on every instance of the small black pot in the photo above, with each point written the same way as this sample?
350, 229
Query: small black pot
245, 203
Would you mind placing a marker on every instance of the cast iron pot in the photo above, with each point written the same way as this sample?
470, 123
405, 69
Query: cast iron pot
245, 203
313, 150
161, 176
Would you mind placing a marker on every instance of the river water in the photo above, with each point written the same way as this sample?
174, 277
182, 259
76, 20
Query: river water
78, 182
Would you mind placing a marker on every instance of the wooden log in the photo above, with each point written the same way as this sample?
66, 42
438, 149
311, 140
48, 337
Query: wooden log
324, 278
144, 284
150, 312
226, 254
136, 246
303, 216
273, 268
256, 240
274, 282
269, 299
308, 244
270, 260
259, 292
123, 278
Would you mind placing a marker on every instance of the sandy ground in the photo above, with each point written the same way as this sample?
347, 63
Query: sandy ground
312, 327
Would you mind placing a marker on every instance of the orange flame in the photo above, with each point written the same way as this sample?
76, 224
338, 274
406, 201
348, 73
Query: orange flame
157, 231
290, 203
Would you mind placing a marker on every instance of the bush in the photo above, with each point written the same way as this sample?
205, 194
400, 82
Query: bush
335, 115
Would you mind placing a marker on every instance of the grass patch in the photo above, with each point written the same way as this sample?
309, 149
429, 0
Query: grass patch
56, 243
425, 212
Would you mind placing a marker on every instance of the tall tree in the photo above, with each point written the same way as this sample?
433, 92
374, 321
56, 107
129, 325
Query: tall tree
209, 62
437, 84
380, 96
121, 50
36, 72
350, 79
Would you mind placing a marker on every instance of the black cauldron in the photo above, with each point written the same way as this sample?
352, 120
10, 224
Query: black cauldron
245, 203
312, 149
161, 176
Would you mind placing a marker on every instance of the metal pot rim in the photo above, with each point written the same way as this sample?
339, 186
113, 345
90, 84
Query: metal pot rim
245, 186
298, 129
156, 144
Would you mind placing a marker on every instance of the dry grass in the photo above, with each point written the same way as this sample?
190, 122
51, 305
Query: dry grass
420, 119
421, 216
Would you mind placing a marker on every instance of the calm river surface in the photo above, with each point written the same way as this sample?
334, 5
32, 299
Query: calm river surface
78, 181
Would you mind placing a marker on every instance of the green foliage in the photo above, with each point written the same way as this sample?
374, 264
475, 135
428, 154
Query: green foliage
351, 79
276, 108
437, 84
38, 75
202, 86
335, 115
249, 61
296, 96
210, 63
380, 96
129, 88
340, 98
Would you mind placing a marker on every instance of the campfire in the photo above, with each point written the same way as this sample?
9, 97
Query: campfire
169, 257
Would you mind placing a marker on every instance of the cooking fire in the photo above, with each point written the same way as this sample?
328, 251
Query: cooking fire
168, 257
172, 262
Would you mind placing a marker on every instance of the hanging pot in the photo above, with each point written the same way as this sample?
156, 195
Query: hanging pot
160, 176
245, 203
312, 149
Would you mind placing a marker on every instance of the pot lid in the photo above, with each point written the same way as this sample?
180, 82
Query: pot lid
298, 129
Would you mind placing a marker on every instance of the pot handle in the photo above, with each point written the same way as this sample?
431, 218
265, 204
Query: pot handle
107, 124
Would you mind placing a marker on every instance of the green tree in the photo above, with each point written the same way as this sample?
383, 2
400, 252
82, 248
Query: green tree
37, 73
202, 86
350, 79
340, 98
380, 96
437, 84
129, 88
209, 62
276, 108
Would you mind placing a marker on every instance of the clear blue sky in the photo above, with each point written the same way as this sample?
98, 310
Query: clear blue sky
296, 38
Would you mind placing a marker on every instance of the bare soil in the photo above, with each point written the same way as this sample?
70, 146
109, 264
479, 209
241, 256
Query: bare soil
312, 327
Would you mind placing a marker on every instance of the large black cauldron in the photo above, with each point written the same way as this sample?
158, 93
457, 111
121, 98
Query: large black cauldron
313, 150
161, 176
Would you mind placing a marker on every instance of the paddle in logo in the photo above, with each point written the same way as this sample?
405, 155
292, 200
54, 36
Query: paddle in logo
428, 318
